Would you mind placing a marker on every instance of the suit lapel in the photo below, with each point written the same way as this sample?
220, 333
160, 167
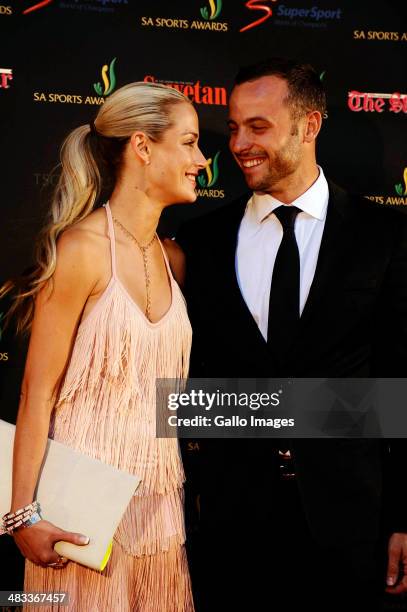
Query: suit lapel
332, 256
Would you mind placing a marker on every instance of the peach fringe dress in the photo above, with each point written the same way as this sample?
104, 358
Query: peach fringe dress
106, 409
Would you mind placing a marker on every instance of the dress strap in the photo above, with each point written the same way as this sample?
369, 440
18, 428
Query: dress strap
166, 260
110, 229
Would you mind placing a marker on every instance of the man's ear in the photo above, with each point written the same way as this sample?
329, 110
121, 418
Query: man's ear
312, 126
140, 145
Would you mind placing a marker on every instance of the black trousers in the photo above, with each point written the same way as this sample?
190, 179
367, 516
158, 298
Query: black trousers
261, 556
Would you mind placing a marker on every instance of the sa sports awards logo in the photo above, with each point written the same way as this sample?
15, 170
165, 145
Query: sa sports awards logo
102, 90
209, 13
399, 187
379, 35
209, 179
213, 11
6, 75
391, 200
109, 82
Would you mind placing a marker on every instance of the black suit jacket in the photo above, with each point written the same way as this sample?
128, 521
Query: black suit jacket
354, 324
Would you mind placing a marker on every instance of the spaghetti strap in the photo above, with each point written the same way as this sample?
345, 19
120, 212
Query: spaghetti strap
111, 238
166, 261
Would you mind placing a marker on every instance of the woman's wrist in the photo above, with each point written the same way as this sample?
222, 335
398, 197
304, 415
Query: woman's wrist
21, 518
21, 501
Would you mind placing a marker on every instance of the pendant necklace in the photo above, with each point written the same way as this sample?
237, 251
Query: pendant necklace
143, 250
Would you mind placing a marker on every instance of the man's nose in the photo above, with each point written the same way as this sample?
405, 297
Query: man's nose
239, 142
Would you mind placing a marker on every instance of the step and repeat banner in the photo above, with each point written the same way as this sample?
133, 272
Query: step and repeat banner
60, 60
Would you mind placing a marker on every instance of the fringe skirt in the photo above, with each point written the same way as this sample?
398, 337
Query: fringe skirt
150, 583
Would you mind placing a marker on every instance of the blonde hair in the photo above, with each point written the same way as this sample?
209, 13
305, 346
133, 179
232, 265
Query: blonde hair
90, 160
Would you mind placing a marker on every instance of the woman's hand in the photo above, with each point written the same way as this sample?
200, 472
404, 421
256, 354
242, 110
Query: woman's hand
36, 542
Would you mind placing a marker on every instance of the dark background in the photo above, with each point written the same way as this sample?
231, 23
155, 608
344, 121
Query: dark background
60, 48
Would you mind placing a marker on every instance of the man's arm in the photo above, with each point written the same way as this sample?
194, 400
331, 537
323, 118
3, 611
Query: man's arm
390, 361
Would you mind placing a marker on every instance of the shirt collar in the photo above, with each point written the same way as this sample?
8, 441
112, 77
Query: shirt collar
314, 201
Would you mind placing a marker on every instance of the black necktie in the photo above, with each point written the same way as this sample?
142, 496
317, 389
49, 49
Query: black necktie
284, 304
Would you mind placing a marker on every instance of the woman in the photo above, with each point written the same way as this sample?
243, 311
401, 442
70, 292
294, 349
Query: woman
107, 320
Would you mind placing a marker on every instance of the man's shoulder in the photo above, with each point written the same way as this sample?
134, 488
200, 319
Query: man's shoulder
369, 211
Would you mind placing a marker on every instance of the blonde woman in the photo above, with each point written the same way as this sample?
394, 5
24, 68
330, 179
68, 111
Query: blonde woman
107, 318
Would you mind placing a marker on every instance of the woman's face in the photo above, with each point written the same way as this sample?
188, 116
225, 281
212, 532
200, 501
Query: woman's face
177, 159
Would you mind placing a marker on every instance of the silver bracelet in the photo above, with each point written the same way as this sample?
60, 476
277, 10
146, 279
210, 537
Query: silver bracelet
23, 517
32, 506
32, 520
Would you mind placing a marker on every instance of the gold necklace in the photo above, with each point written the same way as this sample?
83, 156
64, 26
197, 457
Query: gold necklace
143, 250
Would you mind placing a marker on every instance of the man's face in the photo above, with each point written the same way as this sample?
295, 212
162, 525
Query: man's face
264, 140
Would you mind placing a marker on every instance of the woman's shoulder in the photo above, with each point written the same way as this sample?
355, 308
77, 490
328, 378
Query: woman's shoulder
86, 243
88, 234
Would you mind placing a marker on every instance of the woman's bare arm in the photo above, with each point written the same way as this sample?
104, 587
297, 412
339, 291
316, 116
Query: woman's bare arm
57, 314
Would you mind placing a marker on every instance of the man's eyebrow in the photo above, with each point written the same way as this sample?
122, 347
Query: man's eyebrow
251, 120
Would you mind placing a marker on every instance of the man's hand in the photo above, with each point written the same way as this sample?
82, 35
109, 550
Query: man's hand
397, 564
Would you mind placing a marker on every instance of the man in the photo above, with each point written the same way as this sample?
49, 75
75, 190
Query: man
297, 279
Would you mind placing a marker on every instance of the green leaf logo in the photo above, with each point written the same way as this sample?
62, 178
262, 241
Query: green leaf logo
215, 10
212, 173
109, 82
399, 186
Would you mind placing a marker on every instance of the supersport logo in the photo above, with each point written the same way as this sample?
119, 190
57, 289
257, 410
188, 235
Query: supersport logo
37, 6
257, 5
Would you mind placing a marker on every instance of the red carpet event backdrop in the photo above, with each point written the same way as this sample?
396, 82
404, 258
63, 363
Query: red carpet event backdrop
60, 60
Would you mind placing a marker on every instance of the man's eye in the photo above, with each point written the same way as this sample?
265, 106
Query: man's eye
191, 142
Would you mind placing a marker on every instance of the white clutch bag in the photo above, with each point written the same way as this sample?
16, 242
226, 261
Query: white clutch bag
76, 493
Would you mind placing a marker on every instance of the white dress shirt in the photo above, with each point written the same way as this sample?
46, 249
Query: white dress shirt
259, 238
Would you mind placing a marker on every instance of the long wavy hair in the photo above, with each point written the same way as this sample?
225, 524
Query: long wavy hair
90, 161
